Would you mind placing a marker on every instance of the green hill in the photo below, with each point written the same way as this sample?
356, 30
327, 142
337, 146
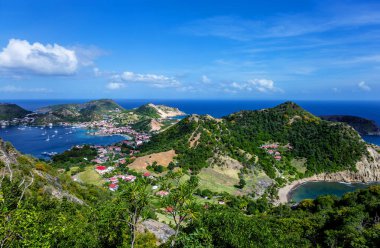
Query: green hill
148, 111
89, 111
9, 111
323, 145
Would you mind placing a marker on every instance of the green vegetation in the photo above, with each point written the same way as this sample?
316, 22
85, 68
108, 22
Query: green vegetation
325, 146
42, 207
148, 111
325, 222
203, 205
9, 111
80, 156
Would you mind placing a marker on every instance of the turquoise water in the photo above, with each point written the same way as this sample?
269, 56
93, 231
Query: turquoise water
312, 190
35, 141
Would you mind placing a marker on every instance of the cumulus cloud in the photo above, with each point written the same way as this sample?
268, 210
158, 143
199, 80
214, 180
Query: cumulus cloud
363, 86
154, 80
260, 85
16, 89
205, 79
115, 85
22, 56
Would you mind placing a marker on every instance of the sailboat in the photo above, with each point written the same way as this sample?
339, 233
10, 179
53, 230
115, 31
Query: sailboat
48, 138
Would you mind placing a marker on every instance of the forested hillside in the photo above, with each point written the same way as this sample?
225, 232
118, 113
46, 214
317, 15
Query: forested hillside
9, 111
295, 134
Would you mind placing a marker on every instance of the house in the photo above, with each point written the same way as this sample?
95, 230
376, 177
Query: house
147, 174
103, 169
113, 187
100, 168
162, 193
130, 178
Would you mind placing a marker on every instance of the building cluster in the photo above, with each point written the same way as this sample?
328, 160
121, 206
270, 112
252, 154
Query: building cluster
27, 120
272, 149
114, 181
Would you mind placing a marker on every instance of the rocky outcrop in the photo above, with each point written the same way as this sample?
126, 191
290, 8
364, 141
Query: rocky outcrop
161, 231
165, 111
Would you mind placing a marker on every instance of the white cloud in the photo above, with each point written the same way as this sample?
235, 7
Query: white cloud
205, 79
260, 85
159, 81
15, 89
22, 56
115, 85
363, 86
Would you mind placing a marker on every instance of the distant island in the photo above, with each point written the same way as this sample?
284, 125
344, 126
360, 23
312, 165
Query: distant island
361, 125
148, 117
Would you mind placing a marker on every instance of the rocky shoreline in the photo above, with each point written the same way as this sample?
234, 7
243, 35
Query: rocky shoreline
368, 170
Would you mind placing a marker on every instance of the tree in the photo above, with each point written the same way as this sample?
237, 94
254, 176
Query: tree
180, 204
137, 196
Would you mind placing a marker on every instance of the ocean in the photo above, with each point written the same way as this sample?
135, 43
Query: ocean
32, 142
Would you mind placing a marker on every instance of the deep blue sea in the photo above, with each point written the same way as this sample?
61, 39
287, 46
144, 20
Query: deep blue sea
32, 142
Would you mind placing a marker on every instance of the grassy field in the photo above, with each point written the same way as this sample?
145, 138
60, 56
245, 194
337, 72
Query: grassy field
90, 176
299, 164
219, 180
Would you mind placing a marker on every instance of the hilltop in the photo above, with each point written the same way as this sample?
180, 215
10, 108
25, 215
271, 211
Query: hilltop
269, 147
362, 125
89, 111
8, 111
158, 111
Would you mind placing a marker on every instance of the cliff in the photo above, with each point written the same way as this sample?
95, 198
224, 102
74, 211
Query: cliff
368, 170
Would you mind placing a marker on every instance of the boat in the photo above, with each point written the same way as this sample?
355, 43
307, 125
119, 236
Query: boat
48, 138
49, 154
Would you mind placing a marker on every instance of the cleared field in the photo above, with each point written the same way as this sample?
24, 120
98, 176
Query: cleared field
90, 176
162, 158
299, 164
219, 179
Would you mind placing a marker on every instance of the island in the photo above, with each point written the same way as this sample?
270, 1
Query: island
202, 177
362, 125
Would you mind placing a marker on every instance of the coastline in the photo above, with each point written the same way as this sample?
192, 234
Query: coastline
284, 193
367, 170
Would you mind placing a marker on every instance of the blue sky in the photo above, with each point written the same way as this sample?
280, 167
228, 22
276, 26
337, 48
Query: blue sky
190, 49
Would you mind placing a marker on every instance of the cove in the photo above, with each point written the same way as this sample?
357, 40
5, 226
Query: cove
311, 190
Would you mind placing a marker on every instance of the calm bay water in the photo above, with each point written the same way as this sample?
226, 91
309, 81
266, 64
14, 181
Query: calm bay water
35, 141
312, 190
